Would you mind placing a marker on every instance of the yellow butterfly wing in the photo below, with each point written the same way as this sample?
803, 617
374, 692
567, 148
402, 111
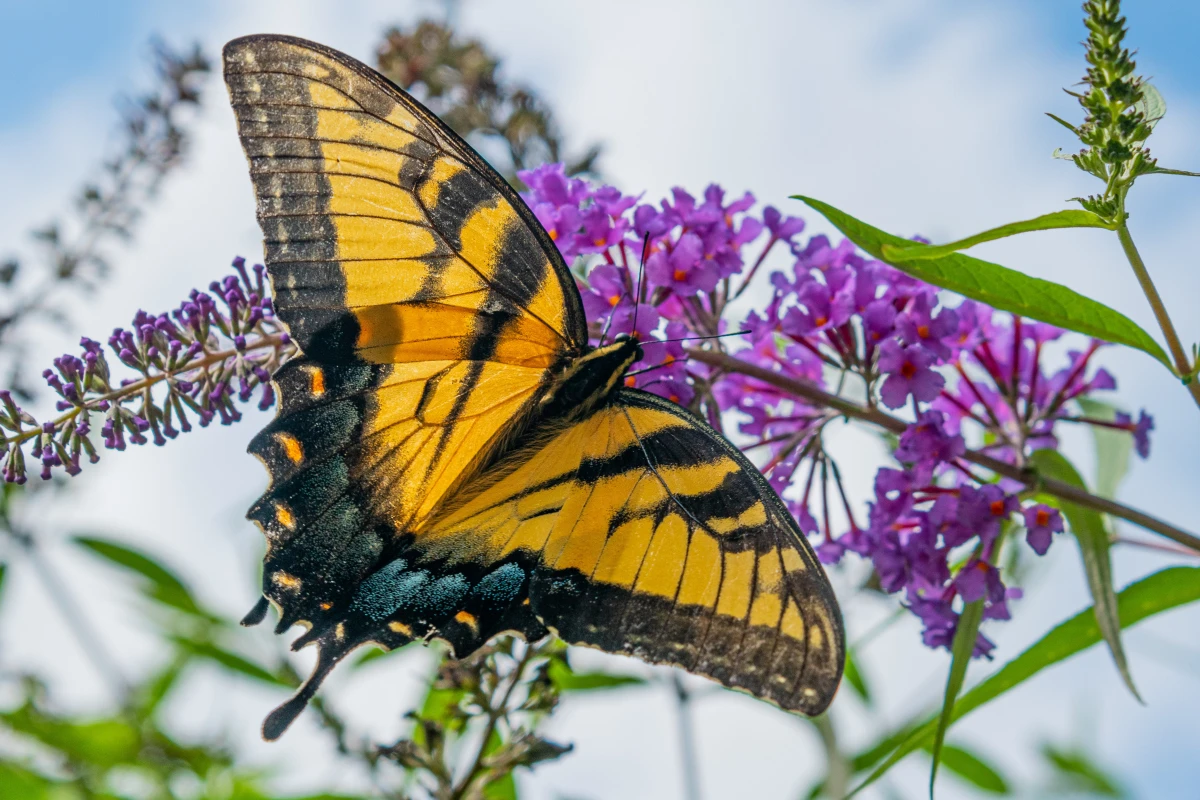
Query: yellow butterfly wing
647, 533
431, 308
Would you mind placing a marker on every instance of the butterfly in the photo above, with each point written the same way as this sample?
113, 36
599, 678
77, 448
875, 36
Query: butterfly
450, 457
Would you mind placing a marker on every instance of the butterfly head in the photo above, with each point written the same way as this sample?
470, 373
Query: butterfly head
593, 377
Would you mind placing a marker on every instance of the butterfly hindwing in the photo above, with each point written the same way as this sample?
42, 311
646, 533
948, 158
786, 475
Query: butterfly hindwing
430, 306
649, 534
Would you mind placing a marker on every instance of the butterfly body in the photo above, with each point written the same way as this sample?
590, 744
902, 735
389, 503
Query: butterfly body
451, 458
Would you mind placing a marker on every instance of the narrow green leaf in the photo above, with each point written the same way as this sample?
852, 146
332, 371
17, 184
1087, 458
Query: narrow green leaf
1001, 287
854, 677
231, 661
1079, 774
566, 679
974, 770
163, 585
1165, 171
960, 657
1071, 218
1113, 447
3, 572
1092, 536
1154, 594
100, 743
1063, 122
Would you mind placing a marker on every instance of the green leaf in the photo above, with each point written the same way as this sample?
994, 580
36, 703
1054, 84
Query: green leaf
103, 743
1063, 122
3, 572
974, 770
1001, 287
1154, 594
19, 783
1152, 105
1071, 218
231, 661
566, 679
162, 584
439, 701
1165, 171
503, 787
370, 655
854, 677
1113, 447
961, 650
1078, 774
1092, 536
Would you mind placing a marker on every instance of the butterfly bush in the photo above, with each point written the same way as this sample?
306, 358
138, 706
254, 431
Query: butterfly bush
842, 323
198, 362
666, 273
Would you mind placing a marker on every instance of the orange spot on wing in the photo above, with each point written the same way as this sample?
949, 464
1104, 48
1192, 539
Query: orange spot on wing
317, 376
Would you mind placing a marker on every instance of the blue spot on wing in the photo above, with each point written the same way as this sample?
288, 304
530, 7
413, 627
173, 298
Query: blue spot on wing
501, 587
442, 597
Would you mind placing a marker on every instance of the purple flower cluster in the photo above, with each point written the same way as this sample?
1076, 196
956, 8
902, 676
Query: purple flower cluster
963, 373
218, 347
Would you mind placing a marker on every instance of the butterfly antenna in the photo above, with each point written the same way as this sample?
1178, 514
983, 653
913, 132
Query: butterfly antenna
651, 369
696, 338
607, 325
637, 298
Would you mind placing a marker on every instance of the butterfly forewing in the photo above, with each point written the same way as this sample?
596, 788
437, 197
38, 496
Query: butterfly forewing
430, 312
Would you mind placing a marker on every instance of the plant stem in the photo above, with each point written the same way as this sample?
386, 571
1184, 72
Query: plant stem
687, 740
495, 713
837, 781
201, 362
888, 422
1182, 365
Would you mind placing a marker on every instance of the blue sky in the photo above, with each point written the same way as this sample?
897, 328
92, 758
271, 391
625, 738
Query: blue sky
920, 115
52, 43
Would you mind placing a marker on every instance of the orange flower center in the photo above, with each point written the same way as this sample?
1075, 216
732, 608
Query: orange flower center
1042, 517
680, 274
631, 382
908, 370
553, 235
821, 321
598, 242
612, 301
997, 507
923, 331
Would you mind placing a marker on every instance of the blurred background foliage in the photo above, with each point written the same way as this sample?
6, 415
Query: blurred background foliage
480, 719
